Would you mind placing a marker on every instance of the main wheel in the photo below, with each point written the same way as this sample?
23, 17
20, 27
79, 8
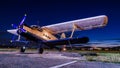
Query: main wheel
22, 49
40, 50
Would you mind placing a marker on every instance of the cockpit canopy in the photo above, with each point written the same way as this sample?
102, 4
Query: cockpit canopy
36, 27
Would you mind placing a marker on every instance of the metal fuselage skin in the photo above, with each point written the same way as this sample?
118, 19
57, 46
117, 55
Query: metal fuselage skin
40, 34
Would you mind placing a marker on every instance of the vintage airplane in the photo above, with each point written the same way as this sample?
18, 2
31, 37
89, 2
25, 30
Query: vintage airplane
45, 35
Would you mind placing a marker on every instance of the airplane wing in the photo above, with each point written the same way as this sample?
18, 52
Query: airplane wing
67, 41
80, 24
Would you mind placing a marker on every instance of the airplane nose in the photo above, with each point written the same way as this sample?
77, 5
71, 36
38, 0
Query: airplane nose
13, 31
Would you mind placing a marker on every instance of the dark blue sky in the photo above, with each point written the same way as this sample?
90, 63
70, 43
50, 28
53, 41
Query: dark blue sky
55, 11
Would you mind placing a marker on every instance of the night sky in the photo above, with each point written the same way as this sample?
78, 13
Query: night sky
48, 12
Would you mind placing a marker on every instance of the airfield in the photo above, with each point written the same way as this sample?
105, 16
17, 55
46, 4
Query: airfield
12, 58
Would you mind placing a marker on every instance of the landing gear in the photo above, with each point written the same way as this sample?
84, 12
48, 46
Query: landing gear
64, 48
22, 49
40, 50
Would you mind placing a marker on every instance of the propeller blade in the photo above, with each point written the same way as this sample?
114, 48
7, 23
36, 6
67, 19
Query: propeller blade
14, 26
18, 38
13, 31
23, 20
13, 38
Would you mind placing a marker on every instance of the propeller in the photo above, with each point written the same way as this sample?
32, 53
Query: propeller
18, 29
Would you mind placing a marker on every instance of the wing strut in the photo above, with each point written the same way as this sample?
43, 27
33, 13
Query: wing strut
70, 45
73, 30
64, 46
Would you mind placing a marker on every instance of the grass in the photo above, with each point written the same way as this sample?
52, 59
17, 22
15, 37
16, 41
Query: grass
105, 57
7, 49
97, 51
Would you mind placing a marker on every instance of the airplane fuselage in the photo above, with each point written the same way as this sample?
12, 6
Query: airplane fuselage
39, 33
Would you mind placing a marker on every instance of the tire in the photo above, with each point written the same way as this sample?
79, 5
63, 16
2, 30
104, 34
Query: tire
40, 50
22, 49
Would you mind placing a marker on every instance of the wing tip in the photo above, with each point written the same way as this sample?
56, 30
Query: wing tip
105, 22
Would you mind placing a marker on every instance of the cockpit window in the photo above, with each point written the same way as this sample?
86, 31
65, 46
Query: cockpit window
36, 27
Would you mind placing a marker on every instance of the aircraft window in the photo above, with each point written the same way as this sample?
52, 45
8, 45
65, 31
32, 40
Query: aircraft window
40, 29
46, 36
35, 26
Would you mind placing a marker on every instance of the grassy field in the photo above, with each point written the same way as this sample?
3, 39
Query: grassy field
102, 56
105, 57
